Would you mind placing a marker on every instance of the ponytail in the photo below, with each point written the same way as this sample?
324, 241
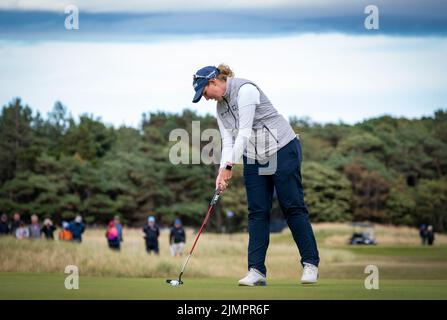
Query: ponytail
224, 72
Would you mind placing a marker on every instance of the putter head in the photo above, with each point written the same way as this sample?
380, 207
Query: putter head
174, 282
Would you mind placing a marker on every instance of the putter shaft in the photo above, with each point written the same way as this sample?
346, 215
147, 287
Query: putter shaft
213, 202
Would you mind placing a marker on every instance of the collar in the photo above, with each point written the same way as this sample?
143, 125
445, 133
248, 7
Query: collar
227, 89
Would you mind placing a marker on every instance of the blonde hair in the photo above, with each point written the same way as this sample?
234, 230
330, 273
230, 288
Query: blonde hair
225, 72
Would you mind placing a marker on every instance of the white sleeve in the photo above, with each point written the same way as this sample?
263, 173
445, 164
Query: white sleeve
248, 94
227, 143
248, 98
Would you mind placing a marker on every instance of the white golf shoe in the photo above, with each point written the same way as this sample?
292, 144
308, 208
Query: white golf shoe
310, 274
253, 278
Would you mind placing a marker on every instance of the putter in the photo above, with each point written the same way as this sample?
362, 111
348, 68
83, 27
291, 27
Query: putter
213, 202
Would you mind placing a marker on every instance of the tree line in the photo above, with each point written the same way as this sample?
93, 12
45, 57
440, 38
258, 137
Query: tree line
384, 170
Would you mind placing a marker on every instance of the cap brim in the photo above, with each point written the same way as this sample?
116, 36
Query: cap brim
198, 95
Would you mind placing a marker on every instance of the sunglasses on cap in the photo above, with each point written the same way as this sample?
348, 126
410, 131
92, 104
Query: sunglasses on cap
210, 76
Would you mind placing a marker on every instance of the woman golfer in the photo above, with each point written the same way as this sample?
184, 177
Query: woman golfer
253, 129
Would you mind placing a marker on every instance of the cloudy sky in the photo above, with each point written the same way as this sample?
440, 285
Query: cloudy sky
312, 58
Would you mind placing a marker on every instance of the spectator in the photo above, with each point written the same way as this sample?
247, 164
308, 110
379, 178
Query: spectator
430, 235
15, 223
151, 234
112, 236
22, 231
65, 234
77, 228
119, 227
177, 238
4, 227
48, 229
423, 234
34, 227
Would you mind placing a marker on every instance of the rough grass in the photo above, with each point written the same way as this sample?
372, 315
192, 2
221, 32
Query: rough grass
398, 255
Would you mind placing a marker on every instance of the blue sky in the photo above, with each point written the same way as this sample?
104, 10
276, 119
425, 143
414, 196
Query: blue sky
312, 58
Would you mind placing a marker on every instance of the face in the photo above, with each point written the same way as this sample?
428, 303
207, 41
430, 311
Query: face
215, 89
16, 217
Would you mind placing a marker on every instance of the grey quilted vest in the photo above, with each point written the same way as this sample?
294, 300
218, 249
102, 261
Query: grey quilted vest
271, 131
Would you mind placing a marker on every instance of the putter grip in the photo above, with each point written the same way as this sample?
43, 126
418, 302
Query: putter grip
215, 197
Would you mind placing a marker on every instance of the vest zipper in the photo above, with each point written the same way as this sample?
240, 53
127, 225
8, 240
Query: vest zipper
229, 109
235, 121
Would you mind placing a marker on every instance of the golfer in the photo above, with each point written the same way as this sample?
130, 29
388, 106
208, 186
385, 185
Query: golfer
253, 129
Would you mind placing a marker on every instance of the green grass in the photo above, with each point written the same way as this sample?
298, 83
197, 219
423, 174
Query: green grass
51, 286
407, 252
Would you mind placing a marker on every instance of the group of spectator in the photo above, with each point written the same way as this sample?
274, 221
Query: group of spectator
72, 231
151, 231
20, 230
427, 234
177, 237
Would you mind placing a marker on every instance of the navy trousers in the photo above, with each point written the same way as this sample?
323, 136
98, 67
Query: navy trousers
286, 179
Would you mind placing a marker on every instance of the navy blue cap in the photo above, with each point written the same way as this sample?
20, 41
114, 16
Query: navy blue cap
200, 80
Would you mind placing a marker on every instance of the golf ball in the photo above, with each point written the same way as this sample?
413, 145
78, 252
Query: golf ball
174, 283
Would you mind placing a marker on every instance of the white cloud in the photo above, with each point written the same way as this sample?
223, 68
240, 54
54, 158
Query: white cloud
326, 77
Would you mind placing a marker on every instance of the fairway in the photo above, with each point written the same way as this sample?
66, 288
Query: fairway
51, 286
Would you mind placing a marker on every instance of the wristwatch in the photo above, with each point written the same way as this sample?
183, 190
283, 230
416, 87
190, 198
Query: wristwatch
228, 167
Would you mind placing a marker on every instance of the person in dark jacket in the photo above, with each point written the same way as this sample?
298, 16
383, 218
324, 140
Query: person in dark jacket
4, 226
16, 223
177, 238
423, 234
151, 234
48, 229
77, 228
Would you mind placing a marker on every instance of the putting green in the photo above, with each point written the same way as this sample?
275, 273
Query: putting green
51, 286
